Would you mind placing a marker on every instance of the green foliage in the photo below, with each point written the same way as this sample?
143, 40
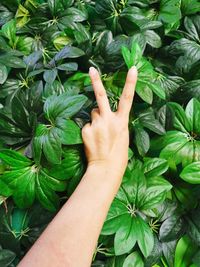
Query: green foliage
46, 97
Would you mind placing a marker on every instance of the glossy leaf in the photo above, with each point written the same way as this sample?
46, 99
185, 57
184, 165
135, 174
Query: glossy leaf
133, 259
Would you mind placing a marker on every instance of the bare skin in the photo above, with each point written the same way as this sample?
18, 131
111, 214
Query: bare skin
71, 237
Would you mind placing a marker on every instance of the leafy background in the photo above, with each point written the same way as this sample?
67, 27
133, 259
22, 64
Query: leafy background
46, 48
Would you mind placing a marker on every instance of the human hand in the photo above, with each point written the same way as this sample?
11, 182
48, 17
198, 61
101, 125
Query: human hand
106, 138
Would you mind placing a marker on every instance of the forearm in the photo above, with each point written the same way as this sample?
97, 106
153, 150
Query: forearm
72, 235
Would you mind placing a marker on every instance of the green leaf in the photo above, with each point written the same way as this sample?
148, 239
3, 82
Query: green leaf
14, 159
20, 114
12, 61
69, 52
21, 181
127, 56
68, 131
144, 236
191, 173
189, 48
157, 90
192, 112
53, 5
3, 73
171, 228
76, 14
63, 106
45, 195
136, 53
193, 226
125, 237
190, 7
133, 259
70, 167
47, 140
71, 66
144, 91
154, 166
19, 221
147, 119
50, 75
184, 251
153, 39
6, 257
4, 189
181, 151
28, 183
155, 194
169, 11
142, 140
134, 184
9, 31
115, 217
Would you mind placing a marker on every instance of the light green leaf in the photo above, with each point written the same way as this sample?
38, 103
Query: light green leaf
127, 56
133, 259
9, 31
125, 237
169, 11
192, 112
154, 166
144, 236
14, 158
157, 90
191, 173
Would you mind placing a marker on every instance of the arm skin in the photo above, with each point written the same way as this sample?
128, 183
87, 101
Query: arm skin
71, 237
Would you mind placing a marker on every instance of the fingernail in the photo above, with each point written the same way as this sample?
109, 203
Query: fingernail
133, 71
133, 68
92, 71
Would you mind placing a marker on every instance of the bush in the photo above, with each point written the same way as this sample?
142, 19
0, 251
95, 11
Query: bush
46, 48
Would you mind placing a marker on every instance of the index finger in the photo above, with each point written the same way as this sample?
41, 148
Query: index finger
100, 92
127, 95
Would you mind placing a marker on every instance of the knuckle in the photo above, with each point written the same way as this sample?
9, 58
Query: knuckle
101, 93
128, 97
86, 128
95, 110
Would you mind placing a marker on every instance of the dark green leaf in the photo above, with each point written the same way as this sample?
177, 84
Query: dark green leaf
50, 75
3, 73
69, 52
171, 228
63, 106
6, 257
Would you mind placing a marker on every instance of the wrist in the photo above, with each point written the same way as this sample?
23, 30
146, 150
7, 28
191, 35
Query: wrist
106, 169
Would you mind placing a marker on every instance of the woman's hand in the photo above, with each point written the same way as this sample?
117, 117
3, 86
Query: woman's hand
106, 142
106, 138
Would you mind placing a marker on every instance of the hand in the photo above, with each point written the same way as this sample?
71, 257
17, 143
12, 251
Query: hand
106, 138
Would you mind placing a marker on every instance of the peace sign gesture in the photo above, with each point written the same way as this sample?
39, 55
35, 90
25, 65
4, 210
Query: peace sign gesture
106, 138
